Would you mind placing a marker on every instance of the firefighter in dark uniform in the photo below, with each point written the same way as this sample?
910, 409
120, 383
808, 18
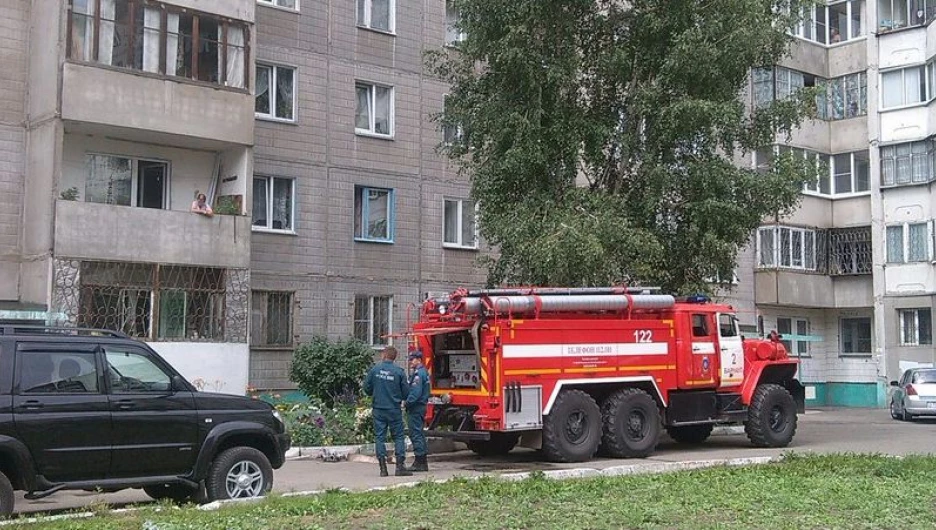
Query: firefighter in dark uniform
387, 383
416, 403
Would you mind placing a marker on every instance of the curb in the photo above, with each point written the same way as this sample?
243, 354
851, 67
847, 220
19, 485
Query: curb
334, 453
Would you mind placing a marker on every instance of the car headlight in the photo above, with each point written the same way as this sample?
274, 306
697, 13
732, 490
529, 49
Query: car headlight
279, 417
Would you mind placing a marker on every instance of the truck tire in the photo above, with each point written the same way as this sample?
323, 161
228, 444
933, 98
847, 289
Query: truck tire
690, 434
499, 445
6, 497
572, 430
771, 418
239, 473
175, 492
631, 424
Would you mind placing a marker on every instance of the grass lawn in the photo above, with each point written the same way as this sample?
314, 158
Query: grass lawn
802, 492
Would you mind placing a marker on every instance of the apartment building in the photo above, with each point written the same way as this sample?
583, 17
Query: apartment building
115, 114
848, 278
355, 212
308, 127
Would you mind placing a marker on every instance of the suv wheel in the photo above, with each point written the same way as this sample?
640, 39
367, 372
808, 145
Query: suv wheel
6, 496
239, 473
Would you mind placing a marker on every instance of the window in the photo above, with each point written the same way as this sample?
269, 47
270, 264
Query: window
276, 92
905, 86
373, 319
131, 372
797, 344
726, 326
908, 243
271, 318
776, 83
460, 224
373, 214
856, 336
837, 22
453, 34
700, 326
160, 39
376, 14
126, 181
274, 203
846, 97
287, 4
895, 14
786, 247
374, 111
916, 327
850, 251
122, 297
908, 163
452, 133
57, 372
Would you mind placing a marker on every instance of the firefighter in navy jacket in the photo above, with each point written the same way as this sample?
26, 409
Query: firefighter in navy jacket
386, 382
416, 403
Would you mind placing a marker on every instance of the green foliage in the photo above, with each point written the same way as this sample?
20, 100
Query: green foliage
332, 372
316, 424
601, 136
71, 194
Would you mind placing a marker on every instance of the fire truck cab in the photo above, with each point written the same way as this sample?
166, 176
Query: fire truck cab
575, 372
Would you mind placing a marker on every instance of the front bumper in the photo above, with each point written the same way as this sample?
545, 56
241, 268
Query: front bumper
283, 442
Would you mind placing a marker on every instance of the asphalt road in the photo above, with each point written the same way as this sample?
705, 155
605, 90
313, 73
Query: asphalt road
821, 431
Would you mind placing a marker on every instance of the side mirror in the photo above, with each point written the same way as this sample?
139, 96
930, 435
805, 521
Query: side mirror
894, 383
178, 384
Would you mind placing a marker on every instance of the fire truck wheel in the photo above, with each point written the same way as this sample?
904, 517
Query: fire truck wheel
631, 421
690, 434
572, 430
499, 445
771, 417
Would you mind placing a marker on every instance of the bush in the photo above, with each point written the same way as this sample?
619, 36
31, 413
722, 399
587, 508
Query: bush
315, 424
331, 372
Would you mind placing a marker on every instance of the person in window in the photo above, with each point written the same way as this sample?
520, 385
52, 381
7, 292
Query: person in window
200, 206
834, 36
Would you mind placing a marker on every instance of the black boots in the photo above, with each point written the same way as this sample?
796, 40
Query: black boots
383, 467
401, 470
420, 464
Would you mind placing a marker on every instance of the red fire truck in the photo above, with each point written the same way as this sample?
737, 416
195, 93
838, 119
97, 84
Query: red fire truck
576, 372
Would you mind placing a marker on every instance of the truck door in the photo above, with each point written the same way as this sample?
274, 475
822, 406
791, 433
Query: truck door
731, 351
697, 369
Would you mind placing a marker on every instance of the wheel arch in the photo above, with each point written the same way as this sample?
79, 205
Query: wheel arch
236, 434
598, 389
17, 464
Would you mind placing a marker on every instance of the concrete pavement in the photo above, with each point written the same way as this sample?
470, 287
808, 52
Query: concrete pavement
820, 431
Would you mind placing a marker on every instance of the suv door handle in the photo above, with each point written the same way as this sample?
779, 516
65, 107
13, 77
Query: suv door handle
125, 404
32, 405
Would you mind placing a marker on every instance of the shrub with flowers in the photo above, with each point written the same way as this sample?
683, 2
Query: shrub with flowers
313, 423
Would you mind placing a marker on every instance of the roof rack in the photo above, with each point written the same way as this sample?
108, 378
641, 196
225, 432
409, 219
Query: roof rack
12, 329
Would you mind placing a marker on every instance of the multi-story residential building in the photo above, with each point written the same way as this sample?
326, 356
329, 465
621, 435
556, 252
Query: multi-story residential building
115, 114
308, 127
356, 214
848, 278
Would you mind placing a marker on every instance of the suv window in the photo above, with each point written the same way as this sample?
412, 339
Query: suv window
57, 372
131, 371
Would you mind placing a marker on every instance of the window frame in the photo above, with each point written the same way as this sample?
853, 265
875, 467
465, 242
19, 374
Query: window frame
371, 299
455, 131
924, 98
265, 294
805, 234
270, 186
275, 4
367, 23
907, 4
271, 90
841, 324
134, 178
363, 215
798, 345
800, 31
890, 154
94, 59
917, 339
905, 246
371, 131
460, 213
460, 34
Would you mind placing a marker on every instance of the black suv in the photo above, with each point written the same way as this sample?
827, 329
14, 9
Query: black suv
97, 410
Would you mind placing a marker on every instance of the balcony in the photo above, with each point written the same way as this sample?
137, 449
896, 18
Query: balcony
156, 67
94, 231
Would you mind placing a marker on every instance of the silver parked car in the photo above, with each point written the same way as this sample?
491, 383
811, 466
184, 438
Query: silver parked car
914, 395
